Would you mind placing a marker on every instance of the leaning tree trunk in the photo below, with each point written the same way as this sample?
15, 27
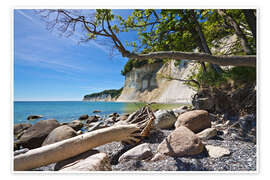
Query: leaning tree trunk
205, 46
238, 31
251, 20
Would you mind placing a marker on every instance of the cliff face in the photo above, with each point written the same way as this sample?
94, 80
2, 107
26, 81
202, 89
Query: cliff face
149, 84
103, 97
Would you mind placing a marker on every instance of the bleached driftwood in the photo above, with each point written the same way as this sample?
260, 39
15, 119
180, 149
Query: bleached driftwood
71, 147
135, 128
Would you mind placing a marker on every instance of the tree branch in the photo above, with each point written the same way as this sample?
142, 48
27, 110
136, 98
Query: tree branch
249, 61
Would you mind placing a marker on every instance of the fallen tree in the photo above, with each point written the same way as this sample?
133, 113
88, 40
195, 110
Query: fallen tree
71, 147
134, 129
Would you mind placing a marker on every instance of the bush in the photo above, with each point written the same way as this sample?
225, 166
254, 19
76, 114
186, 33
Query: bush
239, 75
137, 63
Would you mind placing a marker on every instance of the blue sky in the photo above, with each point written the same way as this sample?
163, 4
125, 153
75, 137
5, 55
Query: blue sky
49, 67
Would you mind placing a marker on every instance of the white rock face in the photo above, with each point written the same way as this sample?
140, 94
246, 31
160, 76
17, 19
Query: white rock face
217, 152
150, 83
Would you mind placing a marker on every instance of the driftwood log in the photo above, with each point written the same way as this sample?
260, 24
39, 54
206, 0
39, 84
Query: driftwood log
136, 128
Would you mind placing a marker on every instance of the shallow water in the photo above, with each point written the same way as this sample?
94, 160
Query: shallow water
65, 111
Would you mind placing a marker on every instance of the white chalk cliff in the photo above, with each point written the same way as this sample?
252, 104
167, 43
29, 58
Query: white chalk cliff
150, 83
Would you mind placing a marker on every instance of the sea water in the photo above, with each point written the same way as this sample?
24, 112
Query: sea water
63, 111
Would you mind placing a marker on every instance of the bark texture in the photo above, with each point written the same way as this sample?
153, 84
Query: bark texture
71, 147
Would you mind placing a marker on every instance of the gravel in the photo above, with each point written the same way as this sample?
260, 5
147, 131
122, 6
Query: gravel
242, 157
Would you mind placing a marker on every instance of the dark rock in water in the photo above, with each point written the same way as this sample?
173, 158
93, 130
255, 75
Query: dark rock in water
18, 128
96, 111
83, 117
92, 119
31, 117
35, 135
59, 134
76, 125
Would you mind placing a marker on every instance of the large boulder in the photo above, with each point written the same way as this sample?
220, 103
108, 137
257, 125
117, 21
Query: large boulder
35, 135
59, 134
196, 120
91, 160
181, 142
140, 152
164, 119
19, 128
76, 125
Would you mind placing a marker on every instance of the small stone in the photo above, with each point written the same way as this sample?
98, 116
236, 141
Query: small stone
139, 152
207, 133
217, 152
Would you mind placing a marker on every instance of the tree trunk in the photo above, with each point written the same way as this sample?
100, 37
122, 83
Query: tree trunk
248, 61
238, 31
251, 20
71, 147
205, 46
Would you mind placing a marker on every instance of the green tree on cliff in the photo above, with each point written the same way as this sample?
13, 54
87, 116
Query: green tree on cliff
164, 34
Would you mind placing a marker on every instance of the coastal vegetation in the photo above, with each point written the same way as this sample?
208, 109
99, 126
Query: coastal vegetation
216, 133
114, 93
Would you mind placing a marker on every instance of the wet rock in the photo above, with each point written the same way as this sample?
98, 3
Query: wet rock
83, 117
96, 111
196, 120
91, 160
181, 142
59, 134
139, 152
91, 119
76, 125
164, 119
35, 135
217, 152
31, 117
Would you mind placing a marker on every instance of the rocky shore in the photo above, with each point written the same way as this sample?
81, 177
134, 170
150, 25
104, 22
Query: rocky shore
181, 139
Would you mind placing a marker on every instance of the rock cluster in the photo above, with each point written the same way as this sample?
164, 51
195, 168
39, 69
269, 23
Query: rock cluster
188, 133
